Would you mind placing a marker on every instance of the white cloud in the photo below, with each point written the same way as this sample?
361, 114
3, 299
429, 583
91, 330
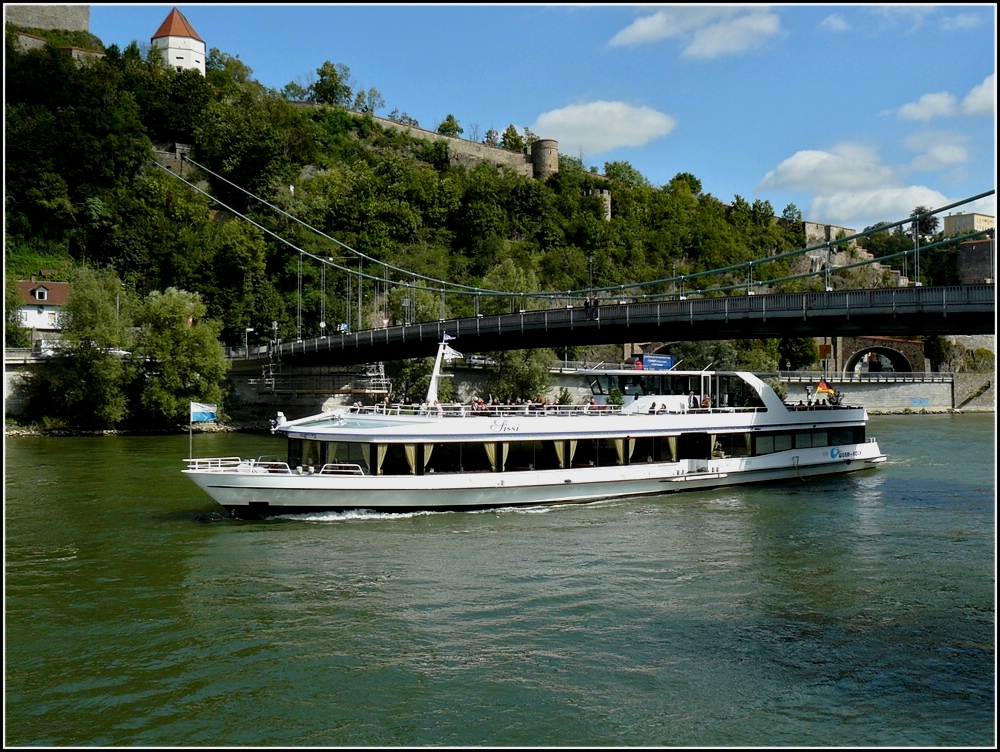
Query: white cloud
835, 22
851, 188
708, 32
846, 167
937, 150
733, 35
866, 207
909, 16
941, 104
961, 22
981, 100
598, 127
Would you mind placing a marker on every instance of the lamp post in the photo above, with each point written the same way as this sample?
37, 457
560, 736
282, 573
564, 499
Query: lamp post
246, 342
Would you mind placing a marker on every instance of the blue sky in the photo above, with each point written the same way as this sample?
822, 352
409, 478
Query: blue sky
854, 113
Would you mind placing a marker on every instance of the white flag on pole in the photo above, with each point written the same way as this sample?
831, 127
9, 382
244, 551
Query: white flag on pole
451, 353
201, 412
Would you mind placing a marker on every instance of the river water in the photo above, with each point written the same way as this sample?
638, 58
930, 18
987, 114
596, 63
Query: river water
851, 611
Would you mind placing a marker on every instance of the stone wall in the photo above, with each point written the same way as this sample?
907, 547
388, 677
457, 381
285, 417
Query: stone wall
975, 392
69, 17
467, 153
976, 261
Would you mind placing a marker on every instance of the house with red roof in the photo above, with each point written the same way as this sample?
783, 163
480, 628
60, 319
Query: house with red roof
41, 306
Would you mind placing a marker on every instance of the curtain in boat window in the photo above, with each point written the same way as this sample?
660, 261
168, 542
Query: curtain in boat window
428, 448
620, 449
382, 449
572, 451
672, 443
746, 436
491, 452
560, 453
411, 457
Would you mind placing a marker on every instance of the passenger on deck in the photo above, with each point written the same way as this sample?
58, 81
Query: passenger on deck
705, 403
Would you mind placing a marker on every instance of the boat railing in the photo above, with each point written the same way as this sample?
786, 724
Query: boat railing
214, 464
341, 468
536, 410
466, 410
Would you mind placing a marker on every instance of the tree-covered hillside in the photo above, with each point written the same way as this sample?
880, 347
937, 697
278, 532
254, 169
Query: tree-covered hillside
270, 184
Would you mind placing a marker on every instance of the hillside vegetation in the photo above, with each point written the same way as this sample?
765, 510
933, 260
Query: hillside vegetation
230, 246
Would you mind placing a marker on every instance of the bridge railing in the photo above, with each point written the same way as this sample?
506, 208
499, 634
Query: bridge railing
904, 300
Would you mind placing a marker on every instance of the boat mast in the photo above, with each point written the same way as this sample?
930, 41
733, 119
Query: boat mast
445, 352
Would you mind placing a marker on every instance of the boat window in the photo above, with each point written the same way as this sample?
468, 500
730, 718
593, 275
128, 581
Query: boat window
733, 444
807, 439
694, 446
847, 435
458, 458
532, 455
306, 452
763, 444
782, 442
644, 450
348, 452
396, 461
312, 453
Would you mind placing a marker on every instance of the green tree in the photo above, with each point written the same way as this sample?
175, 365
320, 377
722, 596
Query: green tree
14, 335
926, 223
83, 385
294, 92
179, 358
716, 354
368, 102
98, 311
797, 352
520, 374
226, 73
492, 138
332, 85
450, 127
401, 117
511, 140
508, 276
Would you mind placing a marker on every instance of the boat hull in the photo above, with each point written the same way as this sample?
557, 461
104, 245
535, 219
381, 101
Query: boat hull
250, 493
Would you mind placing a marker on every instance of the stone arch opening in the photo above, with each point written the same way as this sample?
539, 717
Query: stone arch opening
878, 359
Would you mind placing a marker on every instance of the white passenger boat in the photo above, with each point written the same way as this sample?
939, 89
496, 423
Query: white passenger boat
396, 458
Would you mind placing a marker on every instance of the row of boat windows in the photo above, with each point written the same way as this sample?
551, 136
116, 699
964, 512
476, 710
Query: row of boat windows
722, 391
509, 456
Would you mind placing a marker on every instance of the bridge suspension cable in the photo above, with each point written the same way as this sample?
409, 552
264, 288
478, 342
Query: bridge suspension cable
628, 289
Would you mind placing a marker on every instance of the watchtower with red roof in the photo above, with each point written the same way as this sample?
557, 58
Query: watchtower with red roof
180, 44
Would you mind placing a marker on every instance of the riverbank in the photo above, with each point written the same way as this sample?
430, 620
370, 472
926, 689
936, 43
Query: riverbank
12, 430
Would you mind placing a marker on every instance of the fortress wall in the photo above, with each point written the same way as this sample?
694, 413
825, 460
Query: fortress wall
70, 17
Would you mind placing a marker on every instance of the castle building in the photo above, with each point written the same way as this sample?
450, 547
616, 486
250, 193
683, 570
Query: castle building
179, 43
958, 224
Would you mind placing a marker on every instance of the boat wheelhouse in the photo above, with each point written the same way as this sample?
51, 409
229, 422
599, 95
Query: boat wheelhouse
677, 430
